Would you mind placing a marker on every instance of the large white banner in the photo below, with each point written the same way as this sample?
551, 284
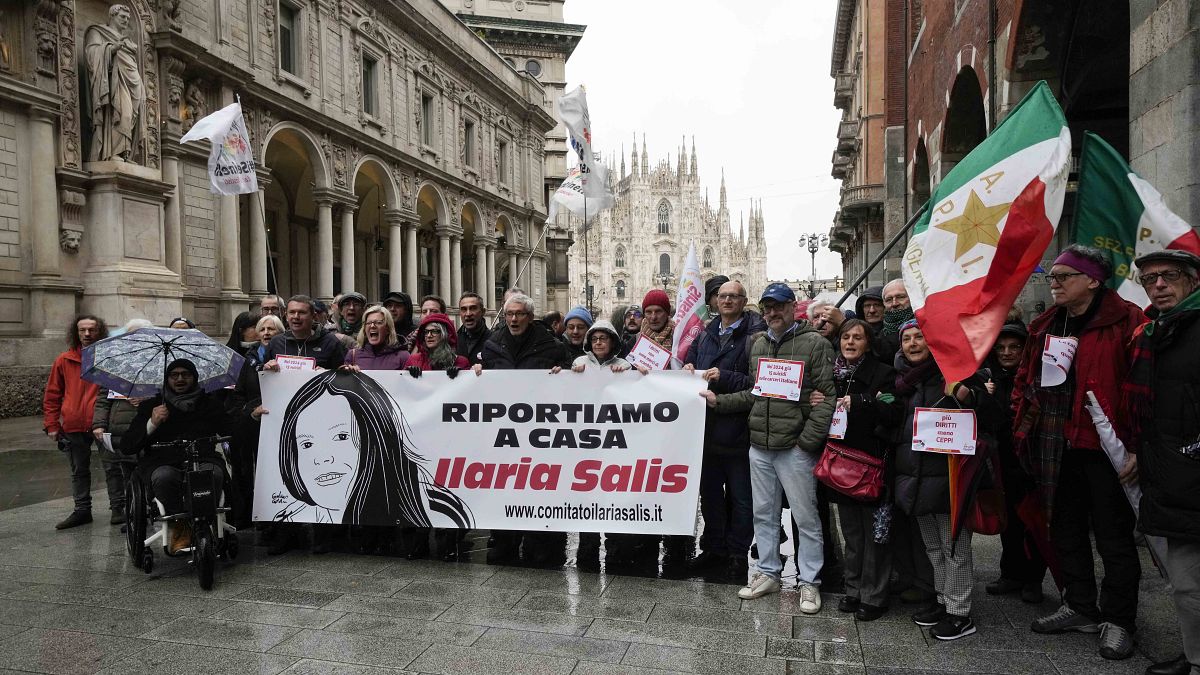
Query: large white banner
231, 160
509, 450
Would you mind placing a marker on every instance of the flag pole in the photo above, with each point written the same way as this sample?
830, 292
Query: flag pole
587, 283
883, 253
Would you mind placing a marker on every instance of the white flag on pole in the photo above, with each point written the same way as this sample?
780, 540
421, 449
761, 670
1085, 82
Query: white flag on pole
590, 179
231, 161
688, 301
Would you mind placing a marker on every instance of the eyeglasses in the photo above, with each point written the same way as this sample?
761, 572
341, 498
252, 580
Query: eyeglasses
730, 296
1151, 278
515, 315
181, 375
1061, 276
376, 324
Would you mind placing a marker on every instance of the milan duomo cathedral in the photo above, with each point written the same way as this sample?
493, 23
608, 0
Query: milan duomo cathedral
642, 241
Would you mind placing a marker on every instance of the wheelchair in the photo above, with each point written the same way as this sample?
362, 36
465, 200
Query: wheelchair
212, 537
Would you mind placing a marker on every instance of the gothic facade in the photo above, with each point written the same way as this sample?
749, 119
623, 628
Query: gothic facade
395, 150
642, 241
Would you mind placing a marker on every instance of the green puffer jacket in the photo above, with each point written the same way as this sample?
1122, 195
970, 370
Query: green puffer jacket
782, 425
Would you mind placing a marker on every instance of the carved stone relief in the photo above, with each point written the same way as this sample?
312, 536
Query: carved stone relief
68, 87
47, 37
195, 104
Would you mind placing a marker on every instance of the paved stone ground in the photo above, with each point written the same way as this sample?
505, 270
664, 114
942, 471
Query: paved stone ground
70, 602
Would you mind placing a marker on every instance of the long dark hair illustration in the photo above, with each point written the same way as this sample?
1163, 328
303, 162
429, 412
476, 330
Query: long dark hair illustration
367, 463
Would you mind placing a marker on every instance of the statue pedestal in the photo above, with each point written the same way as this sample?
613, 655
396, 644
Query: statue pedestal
126, 274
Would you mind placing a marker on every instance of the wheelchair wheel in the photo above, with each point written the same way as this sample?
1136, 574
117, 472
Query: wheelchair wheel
136, 520
205, 554
147, 561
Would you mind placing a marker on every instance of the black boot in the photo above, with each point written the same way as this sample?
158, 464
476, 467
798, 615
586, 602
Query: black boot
1176, 666
76, 519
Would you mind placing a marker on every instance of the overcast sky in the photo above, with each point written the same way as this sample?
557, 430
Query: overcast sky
749, 79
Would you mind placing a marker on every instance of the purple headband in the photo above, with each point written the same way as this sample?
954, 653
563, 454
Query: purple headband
1089, 267
911, 323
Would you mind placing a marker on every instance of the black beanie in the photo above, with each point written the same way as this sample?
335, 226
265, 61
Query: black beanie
713, 285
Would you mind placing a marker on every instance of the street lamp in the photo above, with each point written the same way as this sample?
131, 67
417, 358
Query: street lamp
663, 279
815, 243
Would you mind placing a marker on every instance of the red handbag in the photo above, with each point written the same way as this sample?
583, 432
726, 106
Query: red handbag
854, 473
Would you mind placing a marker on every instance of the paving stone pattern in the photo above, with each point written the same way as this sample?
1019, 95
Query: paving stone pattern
70, 602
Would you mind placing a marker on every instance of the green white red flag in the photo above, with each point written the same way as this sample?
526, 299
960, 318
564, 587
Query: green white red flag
1120, 213
986, 228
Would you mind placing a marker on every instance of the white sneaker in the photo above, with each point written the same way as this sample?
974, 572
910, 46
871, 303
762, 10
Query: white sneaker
810, 599
760, 585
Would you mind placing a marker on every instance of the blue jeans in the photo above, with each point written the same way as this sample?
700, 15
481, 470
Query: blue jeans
774, 473
726, 503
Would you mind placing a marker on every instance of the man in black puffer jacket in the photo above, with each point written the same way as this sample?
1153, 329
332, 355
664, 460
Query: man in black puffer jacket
1164, 405
722, 354
521, 343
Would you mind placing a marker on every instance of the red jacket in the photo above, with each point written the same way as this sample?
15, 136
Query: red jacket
420, 355
1101, 364
69, 401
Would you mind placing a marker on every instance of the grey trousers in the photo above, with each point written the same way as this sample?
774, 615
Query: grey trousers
867, 569
953, 576
1183, 566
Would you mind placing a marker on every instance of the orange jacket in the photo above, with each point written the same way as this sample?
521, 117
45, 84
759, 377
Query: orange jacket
69, 401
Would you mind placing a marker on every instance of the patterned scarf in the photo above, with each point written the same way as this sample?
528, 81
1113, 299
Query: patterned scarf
910, 375
663, 337
893, 319
1048, 439
843, 370
1137, 391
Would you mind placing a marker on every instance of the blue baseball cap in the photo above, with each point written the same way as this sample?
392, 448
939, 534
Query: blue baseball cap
779, 292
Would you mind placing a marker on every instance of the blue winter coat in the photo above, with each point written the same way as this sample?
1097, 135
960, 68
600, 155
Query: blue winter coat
726, 433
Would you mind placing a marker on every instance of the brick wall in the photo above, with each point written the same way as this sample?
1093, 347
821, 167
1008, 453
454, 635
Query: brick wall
10, 216
199, 229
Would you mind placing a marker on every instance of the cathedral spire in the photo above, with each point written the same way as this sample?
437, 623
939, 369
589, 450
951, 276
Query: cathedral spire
695, 174
645, 157
723, 200
633, 159
622, 161
742, 229
679, 170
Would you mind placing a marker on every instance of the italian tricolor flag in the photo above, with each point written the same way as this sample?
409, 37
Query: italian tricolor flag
984, 231
1118, 212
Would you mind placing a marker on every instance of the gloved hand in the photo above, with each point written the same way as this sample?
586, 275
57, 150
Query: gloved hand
452, 372
415, 371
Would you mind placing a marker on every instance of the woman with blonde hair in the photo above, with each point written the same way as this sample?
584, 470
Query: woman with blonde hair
378, 347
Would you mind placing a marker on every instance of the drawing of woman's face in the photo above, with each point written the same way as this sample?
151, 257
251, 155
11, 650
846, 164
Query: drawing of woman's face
327, 456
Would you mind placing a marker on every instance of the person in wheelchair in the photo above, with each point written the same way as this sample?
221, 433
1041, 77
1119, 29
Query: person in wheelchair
182, 412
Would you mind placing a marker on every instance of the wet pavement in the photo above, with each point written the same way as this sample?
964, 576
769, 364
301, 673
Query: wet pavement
71, 602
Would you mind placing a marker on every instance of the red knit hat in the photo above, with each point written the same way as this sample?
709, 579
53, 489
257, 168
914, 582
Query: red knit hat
657, 297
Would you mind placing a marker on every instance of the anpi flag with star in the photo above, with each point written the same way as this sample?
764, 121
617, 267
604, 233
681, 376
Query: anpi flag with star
1120, 213
986, 227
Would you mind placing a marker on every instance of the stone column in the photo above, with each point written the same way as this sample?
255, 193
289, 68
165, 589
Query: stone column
410, 254
283, 257
443, 272
362, 271
172, 229
491, 279
513, 261
304, 280
456, 271
258, 244
347, 249
395, 225
481, 275
324, 249
44, 188
230, 242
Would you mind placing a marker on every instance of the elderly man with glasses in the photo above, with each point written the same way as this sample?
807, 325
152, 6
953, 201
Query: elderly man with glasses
1084, 337
1161, 399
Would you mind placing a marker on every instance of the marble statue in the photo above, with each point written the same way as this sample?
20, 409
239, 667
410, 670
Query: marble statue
118, 93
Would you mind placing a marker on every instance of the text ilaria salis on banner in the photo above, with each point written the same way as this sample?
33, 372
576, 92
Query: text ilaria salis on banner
508, 450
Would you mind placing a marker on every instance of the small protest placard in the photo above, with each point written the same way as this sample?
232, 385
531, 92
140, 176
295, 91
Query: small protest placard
837, 427
288, 363
647, 353
779, 378
1057, 356
949, 432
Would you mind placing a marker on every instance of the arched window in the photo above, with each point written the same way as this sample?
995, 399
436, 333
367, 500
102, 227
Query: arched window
620, 290
664, 264
620, 256
664, 217
708, 257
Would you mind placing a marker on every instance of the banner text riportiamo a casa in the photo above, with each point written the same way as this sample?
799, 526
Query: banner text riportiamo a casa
508, 450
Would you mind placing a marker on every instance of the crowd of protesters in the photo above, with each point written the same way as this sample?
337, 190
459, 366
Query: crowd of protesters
868, 371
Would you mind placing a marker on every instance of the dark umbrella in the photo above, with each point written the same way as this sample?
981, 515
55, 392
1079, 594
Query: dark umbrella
134, 363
